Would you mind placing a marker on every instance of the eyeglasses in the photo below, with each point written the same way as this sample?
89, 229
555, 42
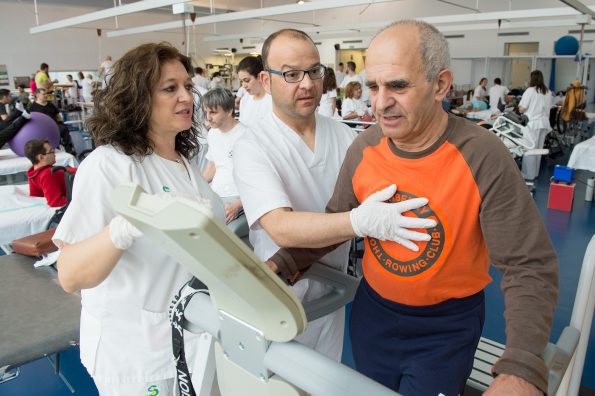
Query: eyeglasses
295, 76
52, 151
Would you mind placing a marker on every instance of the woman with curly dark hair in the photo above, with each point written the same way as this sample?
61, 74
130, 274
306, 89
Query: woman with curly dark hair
144, 127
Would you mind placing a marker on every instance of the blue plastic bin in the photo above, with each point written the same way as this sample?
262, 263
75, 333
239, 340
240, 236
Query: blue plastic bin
563, 173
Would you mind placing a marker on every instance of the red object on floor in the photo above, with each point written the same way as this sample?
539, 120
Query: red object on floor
561, 195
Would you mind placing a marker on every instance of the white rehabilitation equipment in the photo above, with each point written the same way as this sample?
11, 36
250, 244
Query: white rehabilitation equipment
516, 137
251, 313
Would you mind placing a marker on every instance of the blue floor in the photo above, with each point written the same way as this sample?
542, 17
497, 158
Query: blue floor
569, 231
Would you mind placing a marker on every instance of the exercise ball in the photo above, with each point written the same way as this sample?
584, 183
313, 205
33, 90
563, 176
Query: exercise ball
40, 126
566, 45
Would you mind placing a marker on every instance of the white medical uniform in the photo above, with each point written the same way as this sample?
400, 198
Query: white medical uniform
497, 92
538, 111
352, 104
125, 333
274, 168
326, 103
479, 93
339, 76
108, 67
201, 81
241, 92
221, 154
87, 90
252, 110
347, 79
365, 90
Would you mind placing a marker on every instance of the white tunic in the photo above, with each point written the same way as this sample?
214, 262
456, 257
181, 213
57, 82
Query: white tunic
352, 104
538, 108
497, 92
274, 168
479, 93
125, 333
221, 154
326, 103
252, 110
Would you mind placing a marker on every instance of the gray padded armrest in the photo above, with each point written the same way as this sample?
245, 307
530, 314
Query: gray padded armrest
342, 288
37, 317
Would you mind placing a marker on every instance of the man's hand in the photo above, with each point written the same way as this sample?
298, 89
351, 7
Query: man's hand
511, 385
385, 221
232, 210
275, 269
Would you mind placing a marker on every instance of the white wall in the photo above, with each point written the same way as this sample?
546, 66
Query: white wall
81, 48
67, 49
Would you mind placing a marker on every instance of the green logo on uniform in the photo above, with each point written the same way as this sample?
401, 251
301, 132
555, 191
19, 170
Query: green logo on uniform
153, 390
165, 189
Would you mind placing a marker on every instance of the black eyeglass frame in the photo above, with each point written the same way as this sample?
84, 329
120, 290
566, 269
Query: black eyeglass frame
303, 73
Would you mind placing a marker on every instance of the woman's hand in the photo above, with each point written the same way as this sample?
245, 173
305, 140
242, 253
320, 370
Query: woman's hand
232, 210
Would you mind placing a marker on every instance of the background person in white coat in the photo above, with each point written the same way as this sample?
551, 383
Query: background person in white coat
144, 128
257, 103
328, 100
285, 168
497, 94
535, 104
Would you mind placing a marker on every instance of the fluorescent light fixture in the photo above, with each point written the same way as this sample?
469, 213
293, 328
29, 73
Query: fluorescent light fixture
443, 23
255, 13
142, 5
579, 6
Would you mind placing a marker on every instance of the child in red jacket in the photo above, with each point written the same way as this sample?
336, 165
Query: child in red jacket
42, 182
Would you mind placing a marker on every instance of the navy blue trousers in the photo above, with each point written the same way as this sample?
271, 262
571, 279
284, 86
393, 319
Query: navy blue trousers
416, 351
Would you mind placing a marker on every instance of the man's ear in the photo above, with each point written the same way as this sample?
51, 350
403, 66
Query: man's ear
443, 83
265, 80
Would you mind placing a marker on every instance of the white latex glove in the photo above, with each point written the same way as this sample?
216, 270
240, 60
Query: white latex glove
122, 233
19, 106
382, 220
360, 113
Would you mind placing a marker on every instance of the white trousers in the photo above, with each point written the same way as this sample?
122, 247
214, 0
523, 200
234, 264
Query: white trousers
530, 164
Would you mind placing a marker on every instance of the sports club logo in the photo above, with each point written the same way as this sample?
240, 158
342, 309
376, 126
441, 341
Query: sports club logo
401, 261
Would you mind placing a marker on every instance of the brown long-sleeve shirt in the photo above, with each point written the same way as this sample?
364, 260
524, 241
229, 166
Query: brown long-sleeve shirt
484, 214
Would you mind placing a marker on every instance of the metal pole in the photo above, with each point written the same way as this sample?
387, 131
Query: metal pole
579, 67
36, 13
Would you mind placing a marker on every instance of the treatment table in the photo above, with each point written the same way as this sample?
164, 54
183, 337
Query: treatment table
37, 317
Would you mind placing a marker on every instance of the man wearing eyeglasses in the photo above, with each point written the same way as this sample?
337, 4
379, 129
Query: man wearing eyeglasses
286, 168
42, 182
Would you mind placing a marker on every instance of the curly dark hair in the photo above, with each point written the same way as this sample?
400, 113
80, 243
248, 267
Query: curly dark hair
123, 109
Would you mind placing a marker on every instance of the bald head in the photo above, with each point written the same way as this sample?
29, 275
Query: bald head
430, 44
289, 33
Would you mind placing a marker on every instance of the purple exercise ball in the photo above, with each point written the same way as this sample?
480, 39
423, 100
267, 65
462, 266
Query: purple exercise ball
40, 126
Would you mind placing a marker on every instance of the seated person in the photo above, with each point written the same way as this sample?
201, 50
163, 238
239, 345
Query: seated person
473, 104
13, 122
352, 106
41, 105
42, 182
219, 104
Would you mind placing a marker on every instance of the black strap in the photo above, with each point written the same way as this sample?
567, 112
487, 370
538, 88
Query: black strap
176, 317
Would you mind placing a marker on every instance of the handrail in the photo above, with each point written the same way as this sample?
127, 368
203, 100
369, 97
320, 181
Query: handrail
582, 318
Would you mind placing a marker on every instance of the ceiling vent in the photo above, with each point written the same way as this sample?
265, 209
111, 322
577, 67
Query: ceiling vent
513, 34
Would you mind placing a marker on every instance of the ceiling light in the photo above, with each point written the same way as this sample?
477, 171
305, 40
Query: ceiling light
142, 5
248, 14
300, 2
579, 6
